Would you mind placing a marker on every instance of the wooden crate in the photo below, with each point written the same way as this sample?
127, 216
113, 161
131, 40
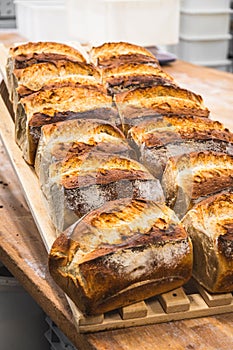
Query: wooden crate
190, 301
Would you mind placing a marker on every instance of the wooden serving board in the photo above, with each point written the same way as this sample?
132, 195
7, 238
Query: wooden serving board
188, 302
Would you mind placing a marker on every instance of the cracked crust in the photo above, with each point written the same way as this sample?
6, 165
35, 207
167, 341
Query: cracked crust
210, 226
125, 251
189, 177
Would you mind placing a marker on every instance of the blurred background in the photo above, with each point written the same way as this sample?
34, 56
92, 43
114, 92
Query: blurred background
196, 31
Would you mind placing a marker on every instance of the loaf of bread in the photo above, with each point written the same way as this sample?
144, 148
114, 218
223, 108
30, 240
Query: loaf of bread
161, 138
142, 103
81, 183
210, 226
61, 140
33, 78
27, 54
117, 53
123, 252
132, 75
61, 101
190, 177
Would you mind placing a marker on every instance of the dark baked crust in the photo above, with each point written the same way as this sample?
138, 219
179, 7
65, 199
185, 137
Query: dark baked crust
85, 182
119, 60
62, 102
136, 105
159, 139
34, 77
31, 53
189, 177
163, 130
210, 226
75, 137
110, 51
106, 274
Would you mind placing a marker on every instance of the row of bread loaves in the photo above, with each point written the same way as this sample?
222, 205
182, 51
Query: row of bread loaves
110, 133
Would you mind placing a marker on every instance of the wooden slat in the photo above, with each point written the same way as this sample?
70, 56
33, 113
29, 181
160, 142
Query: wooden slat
137, 310
175, 301
214, 299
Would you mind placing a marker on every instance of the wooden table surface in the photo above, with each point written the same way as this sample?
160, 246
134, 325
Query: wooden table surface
23, 252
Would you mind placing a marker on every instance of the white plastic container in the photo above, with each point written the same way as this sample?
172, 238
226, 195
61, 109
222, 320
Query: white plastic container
205, 4
144, 22
205, 22
41, 20
203, 48
22, 322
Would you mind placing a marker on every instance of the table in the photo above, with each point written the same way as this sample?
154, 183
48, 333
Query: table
23, 252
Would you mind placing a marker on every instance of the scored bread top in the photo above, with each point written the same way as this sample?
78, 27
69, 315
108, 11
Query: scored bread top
71, 97
96, 168
77, 136
79, 130
58, 82
129, 69
112, 49
121, 253
214, 217
128, 76
28, 49
74, 136
157, 132
134, 58
197, 174
160, 99
35, 76
119, 225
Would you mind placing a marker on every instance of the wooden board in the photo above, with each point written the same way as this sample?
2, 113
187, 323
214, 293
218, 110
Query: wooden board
176, 305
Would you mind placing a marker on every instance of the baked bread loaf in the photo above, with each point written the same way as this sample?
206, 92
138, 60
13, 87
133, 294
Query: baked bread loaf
123, 252
33, 78
57, 103
117, 53
81, 183
210, 226
24, 55
75, 137
161, 138
139, 104
132, 75
190, 177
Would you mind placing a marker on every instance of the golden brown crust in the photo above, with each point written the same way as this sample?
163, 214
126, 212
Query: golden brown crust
132, 58
28, 49
210, 226
81, 183
105, 274
82, 128
35, 76
108, 50
157, 132
93, 168
158, 139
70, 101
131, 76
146, 97
70, 97
159, 99
129, 69
194, 175
76, 136
59, 82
